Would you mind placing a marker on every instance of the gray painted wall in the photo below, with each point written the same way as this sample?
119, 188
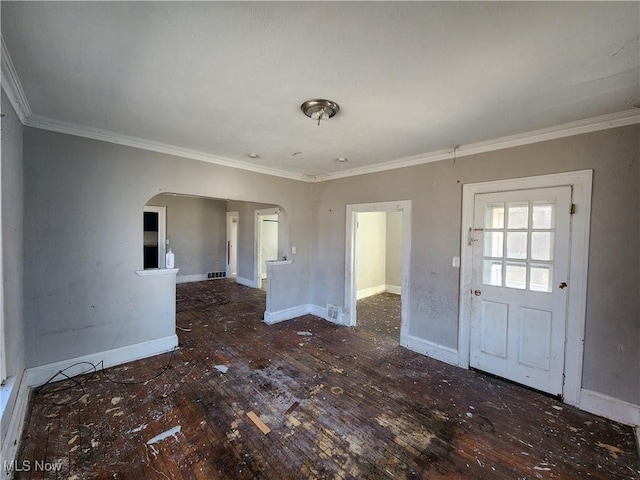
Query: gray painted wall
394, 249
83, 242
12, 250
197, 229
612, 337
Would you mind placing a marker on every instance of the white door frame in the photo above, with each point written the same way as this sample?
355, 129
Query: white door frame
162, 231
581, 184
258, 240
350, 289
232, 241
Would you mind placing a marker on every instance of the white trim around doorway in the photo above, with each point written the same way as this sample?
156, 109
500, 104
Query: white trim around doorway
581, 184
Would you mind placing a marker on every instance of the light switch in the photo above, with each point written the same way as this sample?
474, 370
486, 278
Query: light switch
456, 262
293, 250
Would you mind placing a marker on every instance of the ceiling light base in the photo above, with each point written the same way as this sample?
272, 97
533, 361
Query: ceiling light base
320, 109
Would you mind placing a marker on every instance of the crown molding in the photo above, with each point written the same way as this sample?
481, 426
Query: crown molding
12, 86
593, 124
44, 123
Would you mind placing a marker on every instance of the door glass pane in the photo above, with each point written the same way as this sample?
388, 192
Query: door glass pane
518, 215
542, 245
517, 245
543, 214
516, 275
541, 277
492, 272
494, 215
493, 244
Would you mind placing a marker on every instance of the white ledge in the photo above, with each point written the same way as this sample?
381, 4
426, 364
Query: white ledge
157, 271
279, 262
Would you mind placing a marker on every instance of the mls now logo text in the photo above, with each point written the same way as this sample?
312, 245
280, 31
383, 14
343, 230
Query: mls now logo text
28, 466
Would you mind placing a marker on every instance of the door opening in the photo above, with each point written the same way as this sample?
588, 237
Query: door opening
377, 268
378, 272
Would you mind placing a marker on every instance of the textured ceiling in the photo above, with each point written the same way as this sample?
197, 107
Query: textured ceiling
227, 79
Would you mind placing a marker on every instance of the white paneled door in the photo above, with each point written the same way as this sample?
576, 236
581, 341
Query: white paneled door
519, 295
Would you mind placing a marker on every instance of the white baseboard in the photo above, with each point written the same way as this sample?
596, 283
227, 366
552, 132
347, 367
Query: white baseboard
287, 314
246, 282
298, 311
431, 349
395, 289
369, 292
609, 407
11, 442
36, 376
191, 278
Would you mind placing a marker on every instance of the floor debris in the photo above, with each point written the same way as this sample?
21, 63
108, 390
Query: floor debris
259, 423
221, 368
138, 429
172, 432
293, 406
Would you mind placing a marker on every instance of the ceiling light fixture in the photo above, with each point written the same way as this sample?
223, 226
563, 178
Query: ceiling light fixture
319, 109
253, 155
342, 159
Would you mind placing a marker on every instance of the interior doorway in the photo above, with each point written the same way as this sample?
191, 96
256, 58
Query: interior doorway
232, 244
377, 267
378, 260
266, 226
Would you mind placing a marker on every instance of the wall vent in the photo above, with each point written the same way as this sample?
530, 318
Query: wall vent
333, 312
216, 274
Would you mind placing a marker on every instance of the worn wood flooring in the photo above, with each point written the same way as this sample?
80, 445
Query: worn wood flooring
380, 314
339, 402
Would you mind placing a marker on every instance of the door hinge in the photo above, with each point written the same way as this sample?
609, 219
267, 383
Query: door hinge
572, 209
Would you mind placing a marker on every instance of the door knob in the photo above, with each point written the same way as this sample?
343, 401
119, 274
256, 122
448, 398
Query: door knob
477, 293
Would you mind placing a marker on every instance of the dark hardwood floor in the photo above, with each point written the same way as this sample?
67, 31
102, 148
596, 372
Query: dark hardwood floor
340, 403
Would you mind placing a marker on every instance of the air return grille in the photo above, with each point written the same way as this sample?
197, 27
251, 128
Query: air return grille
333, 312
216, 274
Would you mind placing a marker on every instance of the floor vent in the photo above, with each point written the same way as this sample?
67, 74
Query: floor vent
333, 312
216, 274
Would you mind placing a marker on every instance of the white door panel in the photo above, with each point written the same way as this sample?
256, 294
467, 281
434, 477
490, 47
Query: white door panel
518, 311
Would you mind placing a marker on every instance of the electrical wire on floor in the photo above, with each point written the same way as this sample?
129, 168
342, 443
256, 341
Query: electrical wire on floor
92, 369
